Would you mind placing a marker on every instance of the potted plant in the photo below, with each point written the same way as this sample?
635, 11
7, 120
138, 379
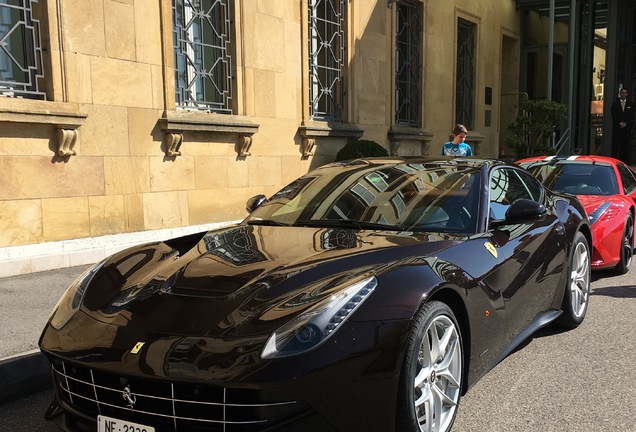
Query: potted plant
533, 127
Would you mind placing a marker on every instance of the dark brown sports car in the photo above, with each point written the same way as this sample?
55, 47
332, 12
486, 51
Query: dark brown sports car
367, 295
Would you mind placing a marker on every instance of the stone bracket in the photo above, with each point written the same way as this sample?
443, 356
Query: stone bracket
173, 144
175, 123
400, 134
311, 130
66, 140
307, 147
244, 145
63, 117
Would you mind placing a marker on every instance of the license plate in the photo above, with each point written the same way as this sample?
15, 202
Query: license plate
109, 424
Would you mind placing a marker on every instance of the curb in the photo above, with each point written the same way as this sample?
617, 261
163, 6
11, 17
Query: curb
24, 374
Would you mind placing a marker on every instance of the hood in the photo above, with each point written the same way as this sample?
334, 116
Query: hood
221, 294
590, 202
224, 279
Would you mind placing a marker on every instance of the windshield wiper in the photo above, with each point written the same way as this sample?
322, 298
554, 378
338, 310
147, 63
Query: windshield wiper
347, 223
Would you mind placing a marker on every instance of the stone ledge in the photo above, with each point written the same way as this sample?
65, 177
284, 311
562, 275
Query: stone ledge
174, 123
206, 122
57, 114
64, 117
400, 134
310, 130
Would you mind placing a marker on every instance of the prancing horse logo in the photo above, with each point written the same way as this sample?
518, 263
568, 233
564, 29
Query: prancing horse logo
129, 397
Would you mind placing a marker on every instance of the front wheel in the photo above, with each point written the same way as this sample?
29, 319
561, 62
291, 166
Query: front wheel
627, 243
577, 291
431, 378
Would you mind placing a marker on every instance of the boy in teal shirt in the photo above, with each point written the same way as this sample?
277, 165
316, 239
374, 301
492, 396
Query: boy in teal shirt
457, 147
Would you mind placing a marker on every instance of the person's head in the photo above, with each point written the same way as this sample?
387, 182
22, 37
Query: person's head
459, 133
623, 93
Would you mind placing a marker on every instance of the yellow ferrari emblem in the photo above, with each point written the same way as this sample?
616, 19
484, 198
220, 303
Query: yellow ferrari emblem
491, 249
137, 347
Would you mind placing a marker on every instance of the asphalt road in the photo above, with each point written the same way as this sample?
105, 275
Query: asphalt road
579, 380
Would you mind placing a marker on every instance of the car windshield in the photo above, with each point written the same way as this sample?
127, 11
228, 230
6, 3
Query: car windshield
576, 178
400, 197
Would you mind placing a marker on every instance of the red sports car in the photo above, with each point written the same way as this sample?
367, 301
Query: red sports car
607, 189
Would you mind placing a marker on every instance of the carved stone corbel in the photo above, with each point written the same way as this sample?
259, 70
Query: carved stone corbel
425, 147
409, 140
394, 146
244, 145
66, 140
308, 146
173, 143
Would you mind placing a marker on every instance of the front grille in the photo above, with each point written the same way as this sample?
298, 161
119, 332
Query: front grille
171, 406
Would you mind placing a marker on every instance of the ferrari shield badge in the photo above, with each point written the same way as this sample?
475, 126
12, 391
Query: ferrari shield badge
491, 249
137, 347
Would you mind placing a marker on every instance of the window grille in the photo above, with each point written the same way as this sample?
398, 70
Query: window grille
21, 67
202, 54
464, 87
326, 58
407, 63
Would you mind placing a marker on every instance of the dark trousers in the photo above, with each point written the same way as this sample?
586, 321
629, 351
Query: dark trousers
621, 141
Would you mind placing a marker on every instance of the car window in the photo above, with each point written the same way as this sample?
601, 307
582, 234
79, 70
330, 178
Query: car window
507, 185
403, 197
582, 179
628, 179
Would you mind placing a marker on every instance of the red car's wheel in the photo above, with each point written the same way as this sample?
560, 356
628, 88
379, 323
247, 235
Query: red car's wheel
627, 246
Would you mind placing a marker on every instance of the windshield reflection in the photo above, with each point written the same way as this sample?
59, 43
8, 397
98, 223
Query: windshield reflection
411, 197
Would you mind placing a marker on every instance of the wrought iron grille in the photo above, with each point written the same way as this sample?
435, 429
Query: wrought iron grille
326, 58
407, 63
20, 50
202, 54
464, 87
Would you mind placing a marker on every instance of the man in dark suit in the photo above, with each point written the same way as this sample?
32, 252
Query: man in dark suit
622, 124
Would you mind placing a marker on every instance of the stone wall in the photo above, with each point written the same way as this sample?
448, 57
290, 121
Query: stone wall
88, 172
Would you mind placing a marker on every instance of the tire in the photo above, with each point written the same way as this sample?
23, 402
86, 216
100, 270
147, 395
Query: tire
432, 372
627, 250
577, 291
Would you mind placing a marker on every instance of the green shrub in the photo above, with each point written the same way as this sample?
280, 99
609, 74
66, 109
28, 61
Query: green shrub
359, 149
533, 127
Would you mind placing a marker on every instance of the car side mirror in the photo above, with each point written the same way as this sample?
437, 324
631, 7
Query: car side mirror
255, 202
524, 209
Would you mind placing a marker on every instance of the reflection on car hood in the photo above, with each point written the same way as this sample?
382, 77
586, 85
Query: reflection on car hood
226, 263
224, 294
591, 202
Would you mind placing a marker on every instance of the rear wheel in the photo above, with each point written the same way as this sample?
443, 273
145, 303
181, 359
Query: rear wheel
430, 383
627, 250
577, 291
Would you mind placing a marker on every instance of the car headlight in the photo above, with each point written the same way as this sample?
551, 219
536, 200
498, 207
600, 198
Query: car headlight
72, 298
315, 325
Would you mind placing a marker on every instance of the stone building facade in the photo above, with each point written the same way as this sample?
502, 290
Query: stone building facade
132, 122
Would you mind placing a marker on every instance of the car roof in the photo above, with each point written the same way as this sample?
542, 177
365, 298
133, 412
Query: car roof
570, 159
442, 161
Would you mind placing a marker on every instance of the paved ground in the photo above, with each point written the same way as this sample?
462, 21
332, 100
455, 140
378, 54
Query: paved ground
27, 302
25, 306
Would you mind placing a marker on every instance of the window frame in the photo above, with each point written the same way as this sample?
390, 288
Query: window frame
330, 98
415, 53
185, 46
465, 73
